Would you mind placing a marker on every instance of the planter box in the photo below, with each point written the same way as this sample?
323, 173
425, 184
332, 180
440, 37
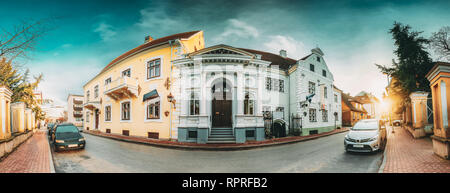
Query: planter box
9, 145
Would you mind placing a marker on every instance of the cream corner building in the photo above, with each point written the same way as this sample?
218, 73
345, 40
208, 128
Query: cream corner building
132, 94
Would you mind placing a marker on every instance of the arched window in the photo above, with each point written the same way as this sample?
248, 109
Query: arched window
194, 105
249, 104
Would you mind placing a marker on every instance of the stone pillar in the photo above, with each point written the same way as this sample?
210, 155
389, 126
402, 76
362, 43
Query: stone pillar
5, 109
419, 117
18, 119
439, 78
203, 93
28, 125
240, 93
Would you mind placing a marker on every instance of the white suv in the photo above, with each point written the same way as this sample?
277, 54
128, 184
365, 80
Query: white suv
366, 135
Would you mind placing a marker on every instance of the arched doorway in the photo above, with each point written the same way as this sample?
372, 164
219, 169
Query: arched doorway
279, 128
221, 104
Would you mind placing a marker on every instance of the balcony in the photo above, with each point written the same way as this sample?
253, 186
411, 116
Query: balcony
121, 88
92, 105
77, 114
77, 108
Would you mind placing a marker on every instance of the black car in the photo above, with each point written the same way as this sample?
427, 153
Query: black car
67, 136
50, 127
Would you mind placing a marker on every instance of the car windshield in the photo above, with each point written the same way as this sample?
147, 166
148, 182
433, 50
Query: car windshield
66, 129
366, 125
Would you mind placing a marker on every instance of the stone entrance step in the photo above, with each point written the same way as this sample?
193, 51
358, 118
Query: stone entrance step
221, 135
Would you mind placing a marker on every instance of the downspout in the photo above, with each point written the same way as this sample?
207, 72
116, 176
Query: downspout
170, 81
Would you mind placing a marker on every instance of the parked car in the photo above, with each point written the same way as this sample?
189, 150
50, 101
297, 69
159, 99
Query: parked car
397, 122
67, 136
51, 127
366, 135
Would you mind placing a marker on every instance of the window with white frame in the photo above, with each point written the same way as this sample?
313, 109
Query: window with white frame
107, 81
325, 115
335, 98
108, 113
268, 83
281, 85
87, 117
312, 115
88, 95
325, 92
153, 68
194, 105
126, 72
96, 91
312, 87
249, 104
126, 111
153, 109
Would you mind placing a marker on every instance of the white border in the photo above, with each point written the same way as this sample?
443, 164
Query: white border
131, 111
146, 103
161, 57
104, 117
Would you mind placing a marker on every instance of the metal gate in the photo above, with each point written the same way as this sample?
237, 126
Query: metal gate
296, 125
430, 111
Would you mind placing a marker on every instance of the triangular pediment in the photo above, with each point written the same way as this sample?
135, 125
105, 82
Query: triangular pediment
221, 50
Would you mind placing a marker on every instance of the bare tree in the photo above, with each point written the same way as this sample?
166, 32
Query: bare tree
23, 37
440, 43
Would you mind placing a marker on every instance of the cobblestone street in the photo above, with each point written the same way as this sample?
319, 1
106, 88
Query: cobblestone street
404, 154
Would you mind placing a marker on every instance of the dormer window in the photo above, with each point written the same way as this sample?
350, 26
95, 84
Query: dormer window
311, 67
318, 59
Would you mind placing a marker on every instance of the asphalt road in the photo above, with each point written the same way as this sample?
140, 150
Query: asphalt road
325, 154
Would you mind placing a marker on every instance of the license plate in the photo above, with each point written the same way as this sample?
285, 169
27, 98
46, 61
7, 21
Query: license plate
358, 146
73, 145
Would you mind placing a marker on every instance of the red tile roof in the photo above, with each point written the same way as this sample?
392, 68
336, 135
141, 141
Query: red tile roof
148, 45
284, 63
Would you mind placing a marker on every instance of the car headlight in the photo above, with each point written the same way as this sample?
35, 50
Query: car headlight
59, 141
347, 138
81, 139
374, 138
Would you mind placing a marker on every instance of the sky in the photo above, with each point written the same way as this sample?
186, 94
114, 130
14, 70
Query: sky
88, 34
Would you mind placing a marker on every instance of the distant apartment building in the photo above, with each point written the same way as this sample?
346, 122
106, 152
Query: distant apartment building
75, 109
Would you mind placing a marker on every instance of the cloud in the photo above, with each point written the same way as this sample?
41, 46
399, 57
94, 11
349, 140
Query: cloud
237, 29
295, 49
64, 76
105, 31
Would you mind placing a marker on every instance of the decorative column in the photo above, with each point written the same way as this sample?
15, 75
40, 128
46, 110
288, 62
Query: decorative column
240, 92
5, 100
18, 119
439, 78
419, 104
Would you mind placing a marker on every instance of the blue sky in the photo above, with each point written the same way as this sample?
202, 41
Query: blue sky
352, 34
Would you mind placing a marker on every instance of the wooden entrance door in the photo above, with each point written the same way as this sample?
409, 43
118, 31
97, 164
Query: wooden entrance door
96, 119
221, 105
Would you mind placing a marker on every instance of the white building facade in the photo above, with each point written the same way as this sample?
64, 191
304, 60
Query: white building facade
225, 94
75, 109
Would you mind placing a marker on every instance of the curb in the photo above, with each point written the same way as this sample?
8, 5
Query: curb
236, 148
383, 164
50, 157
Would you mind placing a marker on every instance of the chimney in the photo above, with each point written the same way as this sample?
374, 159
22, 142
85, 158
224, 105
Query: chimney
148, 39
283, 53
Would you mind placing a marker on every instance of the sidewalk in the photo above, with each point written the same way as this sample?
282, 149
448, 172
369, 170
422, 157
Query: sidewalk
404, 154
33, 156
214, 147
